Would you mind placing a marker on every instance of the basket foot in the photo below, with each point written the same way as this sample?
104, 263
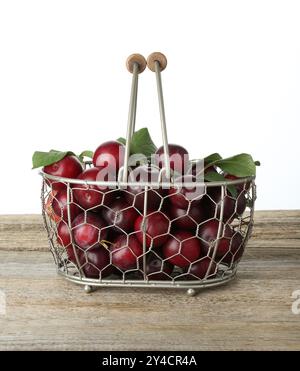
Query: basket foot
191, 292
88, 289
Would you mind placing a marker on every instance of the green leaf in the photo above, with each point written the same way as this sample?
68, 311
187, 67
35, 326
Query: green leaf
141, 142
212, 176
86, 153
122, 141
212, 158
241, 165
231, 188
40, 159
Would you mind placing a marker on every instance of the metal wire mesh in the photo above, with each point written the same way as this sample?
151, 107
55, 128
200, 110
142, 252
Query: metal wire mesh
136, 235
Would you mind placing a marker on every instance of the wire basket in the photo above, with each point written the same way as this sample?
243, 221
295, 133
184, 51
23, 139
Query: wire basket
166, 234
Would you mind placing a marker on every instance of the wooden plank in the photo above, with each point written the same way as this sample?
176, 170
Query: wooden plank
45, 312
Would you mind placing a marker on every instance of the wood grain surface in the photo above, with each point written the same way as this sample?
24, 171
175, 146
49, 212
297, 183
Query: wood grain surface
45, 312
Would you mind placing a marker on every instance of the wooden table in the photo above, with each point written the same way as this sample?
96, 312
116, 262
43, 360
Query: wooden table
43, 311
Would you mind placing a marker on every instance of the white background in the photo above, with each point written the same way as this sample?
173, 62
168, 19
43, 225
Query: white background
232, 84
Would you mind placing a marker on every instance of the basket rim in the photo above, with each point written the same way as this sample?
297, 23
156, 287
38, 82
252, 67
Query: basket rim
178, 284
145, 184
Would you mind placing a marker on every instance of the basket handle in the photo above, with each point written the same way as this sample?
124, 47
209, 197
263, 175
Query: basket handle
136, 58
135, 64
157, 62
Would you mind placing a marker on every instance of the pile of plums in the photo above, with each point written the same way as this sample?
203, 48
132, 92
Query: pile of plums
105, 228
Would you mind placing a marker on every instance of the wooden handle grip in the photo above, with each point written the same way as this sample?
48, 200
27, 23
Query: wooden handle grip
136, 58
160, 58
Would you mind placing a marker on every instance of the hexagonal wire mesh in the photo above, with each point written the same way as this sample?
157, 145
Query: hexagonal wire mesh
147, 234
140, 237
